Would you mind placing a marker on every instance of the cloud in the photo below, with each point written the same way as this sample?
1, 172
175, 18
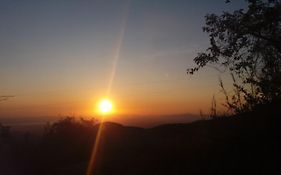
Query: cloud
6, 97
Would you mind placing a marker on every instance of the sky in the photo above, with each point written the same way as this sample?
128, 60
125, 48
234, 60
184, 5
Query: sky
62, 57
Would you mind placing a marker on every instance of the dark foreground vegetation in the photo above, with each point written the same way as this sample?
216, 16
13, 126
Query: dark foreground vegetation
248, 143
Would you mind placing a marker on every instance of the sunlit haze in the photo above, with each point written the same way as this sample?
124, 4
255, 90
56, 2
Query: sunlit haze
59, 59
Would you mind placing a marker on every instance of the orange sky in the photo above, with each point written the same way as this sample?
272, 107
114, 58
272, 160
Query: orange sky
184, 96
59, 59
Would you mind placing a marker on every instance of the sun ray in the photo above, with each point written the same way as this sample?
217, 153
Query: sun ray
92, 161
117, 51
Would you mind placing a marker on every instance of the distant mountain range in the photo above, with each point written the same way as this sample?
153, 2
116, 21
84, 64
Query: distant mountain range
132, 120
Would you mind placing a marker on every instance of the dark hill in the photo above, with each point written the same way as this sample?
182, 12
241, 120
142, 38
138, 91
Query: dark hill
245, 144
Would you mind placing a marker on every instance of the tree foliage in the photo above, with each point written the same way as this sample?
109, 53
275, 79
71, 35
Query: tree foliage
248, 43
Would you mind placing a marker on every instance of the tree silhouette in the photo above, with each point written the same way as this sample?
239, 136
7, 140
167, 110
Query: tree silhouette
248, 43
67, 140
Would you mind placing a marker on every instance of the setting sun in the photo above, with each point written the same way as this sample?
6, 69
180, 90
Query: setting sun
105, 106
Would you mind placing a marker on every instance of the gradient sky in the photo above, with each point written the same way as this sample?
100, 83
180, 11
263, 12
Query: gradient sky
61, 57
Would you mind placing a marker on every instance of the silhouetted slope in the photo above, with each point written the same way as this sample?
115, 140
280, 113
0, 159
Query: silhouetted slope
235, 145
249, 143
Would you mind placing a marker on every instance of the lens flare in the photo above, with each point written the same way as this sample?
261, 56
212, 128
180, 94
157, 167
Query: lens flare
106, 106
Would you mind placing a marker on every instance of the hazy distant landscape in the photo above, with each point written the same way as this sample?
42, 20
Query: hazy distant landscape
138, 120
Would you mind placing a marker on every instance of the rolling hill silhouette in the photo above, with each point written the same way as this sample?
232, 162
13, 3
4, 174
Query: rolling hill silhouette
248, 143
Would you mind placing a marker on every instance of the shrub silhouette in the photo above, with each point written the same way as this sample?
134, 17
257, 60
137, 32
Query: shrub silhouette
248, 43
65, 142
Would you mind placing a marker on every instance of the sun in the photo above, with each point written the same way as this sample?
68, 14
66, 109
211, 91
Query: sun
105, 106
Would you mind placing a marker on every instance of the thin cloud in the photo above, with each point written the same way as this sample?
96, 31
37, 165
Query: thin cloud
6, 97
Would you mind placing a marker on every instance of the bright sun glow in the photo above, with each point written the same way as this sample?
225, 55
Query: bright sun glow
105, 106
